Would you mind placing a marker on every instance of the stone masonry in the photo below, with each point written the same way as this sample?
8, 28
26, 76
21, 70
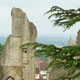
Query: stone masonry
78, 38
19, 65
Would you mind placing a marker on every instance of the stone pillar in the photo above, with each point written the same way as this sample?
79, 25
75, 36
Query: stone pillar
28, 59
78, 38
12, 65
18, 22
34, 34
17, 64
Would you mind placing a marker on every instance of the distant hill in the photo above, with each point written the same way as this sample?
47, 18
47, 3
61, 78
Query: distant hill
58, 41
53, 40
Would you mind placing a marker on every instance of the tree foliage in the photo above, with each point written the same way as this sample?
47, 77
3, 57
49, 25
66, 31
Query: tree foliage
62, 17
1, 68
1, 48
68, 56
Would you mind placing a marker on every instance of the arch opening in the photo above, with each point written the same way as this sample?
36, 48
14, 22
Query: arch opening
10, 78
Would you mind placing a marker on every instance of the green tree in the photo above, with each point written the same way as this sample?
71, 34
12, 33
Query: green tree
68, 56
1, 48
64, 18
1, 68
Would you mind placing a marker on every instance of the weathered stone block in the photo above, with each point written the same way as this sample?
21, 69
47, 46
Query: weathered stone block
16, 64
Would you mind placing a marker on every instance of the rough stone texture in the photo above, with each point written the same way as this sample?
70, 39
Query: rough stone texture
18, 22
13, 53
17, 64
54, 73
15, 72
78, 37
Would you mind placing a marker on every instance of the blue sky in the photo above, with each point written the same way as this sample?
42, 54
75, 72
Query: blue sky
35, 10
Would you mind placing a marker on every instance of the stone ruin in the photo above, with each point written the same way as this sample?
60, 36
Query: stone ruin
78, 38
19, 65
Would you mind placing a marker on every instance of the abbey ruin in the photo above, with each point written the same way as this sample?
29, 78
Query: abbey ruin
17, 63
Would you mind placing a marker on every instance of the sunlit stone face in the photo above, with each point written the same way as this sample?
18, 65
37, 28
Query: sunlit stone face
23, 32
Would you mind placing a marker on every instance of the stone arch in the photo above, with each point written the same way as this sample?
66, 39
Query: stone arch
12, 75
10, 78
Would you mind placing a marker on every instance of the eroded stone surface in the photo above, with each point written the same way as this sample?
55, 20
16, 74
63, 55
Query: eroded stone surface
78, 37
17, 64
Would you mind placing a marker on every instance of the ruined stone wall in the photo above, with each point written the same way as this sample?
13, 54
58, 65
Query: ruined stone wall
19, 65
78, 37
54, 73
12, 61
18, 22
13, 53
28, 57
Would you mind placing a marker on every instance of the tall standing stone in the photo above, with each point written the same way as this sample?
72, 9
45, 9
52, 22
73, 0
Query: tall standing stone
78, 37
18, 65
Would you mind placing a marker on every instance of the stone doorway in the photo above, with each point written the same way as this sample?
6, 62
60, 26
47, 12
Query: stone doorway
10, 78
